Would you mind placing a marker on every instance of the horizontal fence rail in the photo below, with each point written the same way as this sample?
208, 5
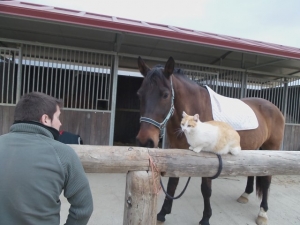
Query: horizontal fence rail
186, 163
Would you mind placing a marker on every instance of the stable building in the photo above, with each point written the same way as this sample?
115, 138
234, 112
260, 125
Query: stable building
90, 61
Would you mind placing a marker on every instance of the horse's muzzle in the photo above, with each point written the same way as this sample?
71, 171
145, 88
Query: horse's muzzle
148, 136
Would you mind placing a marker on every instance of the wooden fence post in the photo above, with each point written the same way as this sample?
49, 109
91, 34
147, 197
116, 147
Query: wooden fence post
140, 198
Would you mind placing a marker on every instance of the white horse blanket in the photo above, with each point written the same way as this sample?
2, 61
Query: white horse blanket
232, 111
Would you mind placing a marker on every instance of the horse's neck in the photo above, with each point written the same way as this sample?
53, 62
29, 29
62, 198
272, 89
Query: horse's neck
192, 99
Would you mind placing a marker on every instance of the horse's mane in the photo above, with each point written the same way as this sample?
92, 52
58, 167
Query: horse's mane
178, 71
157, 73
157, 70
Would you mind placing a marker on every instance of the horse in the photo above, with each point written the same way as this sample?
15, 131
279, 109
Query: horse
165, 93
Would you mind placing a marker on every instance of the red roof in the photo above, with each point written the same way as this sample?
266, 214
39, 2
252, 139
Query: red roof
42, 12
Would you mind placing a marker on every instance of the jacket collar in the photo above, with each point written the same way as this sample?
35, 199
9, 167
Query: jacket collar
36, 127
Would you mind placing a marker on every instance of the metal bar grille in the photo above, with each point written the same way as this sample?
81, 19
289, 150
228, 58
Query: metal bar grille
272, 90
8, 75
230, 83
81, 78
224, 82
203, 78
293, 101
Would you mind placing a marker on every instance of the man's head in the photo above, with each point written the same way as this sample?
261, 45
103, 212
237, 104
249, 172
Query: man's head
39, 107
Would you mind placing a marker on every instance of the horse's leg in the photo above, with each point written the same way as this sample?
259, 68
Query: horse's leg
262, 189
167, 206
206, 193
263, 183
249, 189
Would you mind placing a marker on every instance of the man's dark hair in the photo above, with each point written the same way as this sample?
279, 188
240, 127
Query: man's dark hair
32, 106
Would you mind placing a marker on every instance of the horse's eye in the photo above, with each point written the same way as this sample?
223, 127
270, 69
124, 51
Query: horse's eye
165, 95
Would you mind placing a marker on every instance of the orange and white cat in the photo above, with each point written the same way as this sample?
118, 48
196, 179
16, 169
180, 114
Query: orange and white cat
212, 136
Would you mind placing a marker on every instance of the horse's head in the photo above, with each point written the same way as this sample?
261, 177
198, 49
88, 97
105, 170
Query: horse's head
156, 101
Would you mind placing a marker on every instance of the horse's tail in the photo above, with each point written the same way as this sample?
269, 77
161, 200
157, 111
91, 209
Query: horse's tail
262, 183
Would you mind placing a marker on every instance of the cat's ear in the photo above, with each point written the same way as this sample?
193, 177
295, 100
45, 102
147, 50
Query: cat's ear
196, 117
184, 114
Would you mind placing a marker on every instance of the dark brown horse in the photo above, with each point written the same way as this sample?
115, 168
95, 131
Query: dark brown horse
165, 89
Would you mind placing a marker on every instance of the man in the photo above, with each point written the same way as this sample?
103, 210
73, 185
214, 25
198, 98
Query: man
35, 168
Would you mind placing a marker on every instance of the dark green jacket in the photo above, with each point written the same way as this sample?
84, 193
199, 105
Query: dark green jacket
34, 170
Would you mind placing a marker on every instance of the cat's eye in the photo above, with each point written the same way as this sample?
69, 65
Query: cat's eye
189, 125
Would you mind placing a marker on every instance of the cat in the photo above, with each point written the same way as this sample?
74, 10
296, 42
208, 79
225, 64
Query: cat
212, 136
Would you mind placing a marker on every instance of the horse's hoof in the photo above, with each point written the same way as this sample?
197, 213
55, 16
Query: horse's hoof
161, 218
243, 198
204, 222
262, 218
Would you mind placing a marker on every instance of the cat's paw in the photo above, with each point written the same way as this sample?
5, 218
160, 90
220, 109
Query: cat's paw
235, 151
191, 148
197, 149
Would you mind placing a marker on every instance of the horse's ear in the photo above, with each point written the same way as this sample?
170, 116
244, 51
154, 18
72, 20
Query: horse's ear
143, 67
169, 67
196, 117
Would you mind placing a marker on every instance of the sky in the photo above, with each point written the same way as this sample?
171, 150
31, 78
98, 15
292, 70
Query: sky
272, 21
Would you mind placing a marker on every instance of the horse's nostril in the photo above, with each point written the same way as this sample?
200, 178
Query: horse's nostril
148, 144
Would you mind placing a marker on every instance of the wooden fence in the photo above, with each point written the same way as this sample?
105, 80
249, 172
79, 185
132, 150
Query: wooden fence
142, 180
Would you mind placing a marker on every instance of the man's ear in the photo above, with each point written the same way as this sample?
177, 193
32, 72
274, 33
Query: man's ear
45, 120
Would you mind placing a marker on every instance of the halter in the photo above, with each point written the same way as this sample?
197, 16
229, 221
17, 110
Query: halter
161, 126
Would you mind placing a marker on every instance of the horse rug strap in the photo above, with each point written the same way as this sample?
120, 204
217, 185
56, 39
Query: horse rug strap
232, 111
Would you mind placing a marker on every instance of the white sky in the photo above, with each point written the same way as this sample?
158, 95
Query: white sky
273, 21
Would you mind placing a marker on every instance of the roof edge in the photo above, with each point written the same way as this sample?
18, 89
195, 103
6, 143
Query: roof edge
10, 8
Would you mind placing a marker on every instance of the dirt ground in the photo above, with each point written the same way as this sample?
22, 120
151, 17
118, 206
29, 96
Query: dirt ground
284, 201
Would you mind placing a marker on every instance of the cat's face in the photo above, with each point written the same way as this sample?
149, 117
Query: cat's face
188, 122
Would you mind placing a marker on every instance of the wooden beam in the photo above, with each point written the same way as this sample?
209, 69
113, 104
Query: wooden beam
185, 163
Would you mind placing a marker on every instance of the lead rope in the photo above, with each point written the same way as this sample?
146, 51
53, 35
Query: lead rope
219, 169
173, 198
156, 189
155, 177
